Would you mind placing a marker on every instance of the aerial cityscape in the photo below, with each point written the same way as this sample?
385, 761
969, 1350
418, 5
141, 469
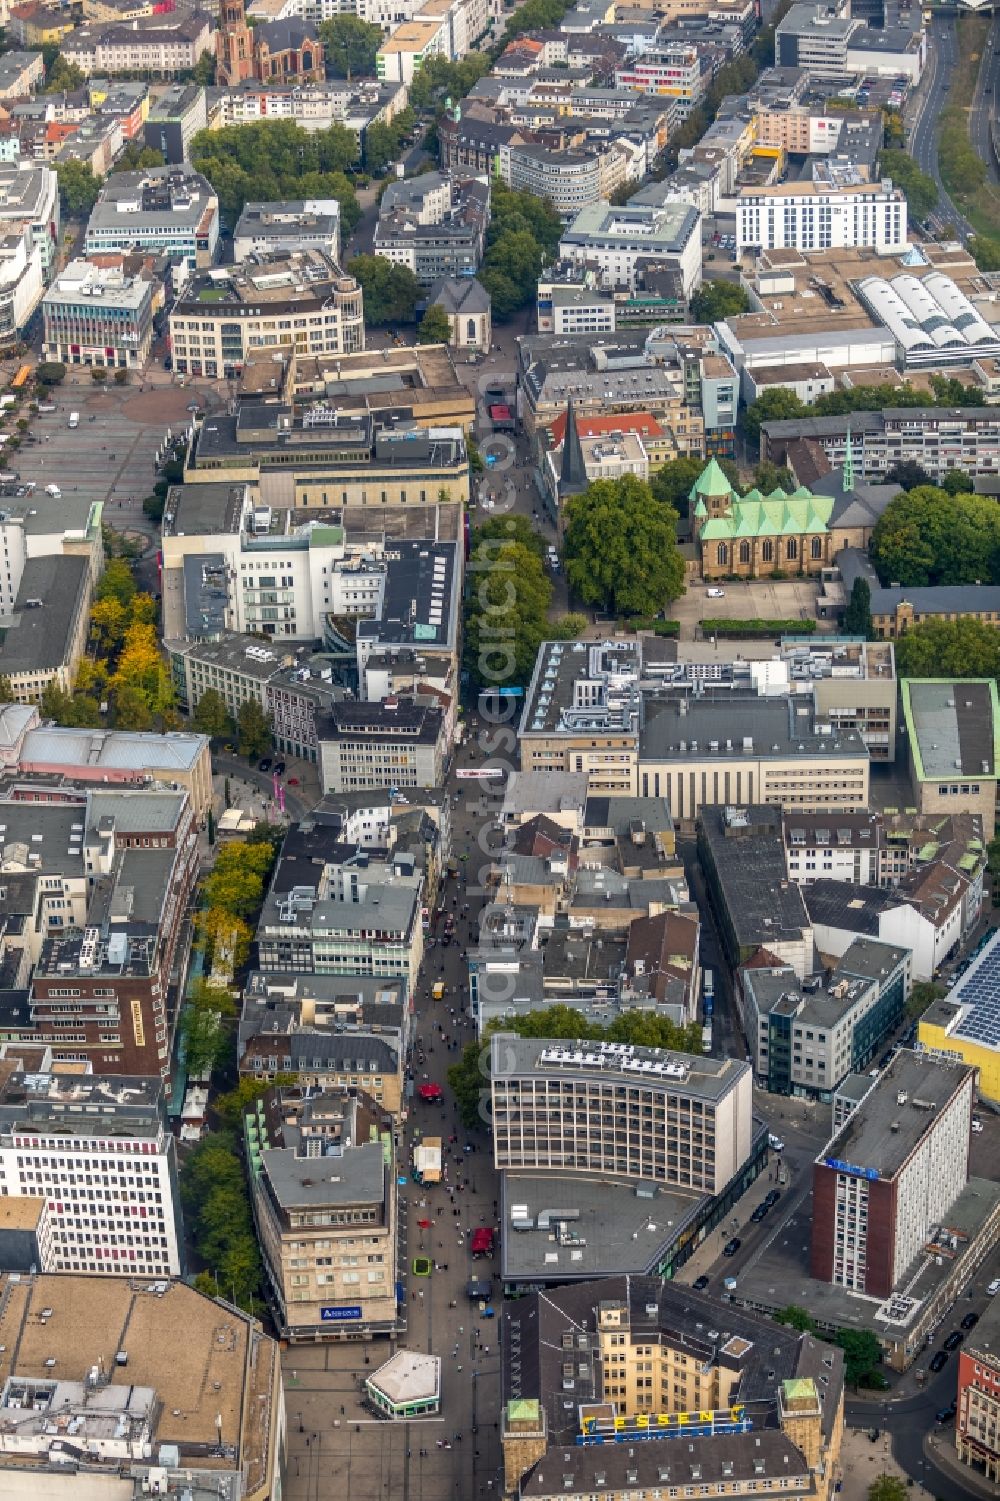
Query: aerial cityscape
499, 750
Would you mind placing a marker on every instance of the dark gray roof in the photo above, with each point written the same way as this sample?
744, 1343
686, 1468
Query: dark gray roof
776, 727
928, 599
762, 905
460, 294
765, 1353
285, 36
883, 1132
696, 1464
842, 904
38, 638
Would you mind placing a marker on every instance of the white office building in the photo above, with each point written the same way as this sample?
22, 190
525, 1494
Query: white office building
99, 1151
830, 213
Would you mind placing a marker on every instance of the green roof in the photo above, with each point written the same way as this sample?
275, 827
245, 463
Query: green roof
711, 481
771, 518
701, 509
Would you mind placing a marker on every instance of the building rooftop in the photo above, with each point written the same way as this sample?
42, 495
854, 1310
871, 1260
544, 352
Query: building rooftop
978, 995
759, 727
748, 854
761, 1355
684, 1073
273, 280
354, 1176
613, 1230
159, 198
408, 1376
666, 228
729, 1460
208, 1366
953, 727
893, 1117
50, 600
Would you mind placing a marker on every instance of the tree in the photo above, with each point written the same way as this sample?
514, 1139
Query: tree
211, 717
107, 624
510, 529
920, 189
434, 326
909, 475
986, 252
718, 299
621, 548
132, 711
862, 1356
796, 1318
63, 76
923, 994
768, 476
858, 615
276, 159
136, 157
963, 648
254, 729
957, 482
227, 937
509, 596
117, 582
50, 373
350, 45
927, 536
6, 689
78, 188
204, 1040
773, 405
203, 72
469, 1078
887, 1488
391, 291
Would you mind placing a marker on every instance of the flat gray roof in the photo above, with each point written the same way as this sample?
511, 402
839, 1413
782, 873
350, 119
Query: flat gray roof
881, 1133
617, 1231
774, 727
703, 1077
356, 1176
37, 638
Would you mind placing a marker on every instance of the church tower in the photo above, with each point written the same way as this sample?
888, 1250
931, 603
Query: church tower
233, 44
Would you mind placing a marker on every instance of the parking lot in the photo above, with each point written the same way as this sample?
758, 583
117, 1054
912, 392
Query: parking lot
789, 599
110, 455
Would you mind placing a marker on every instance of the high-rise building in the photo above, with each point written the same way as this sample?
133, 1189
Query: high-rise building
100, 1153
886, 1180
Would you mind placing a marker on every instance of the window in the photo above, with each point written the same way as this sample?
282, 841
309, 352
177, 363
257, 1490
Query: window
767, 551
722, 553
744, 552
816, 548
791, 549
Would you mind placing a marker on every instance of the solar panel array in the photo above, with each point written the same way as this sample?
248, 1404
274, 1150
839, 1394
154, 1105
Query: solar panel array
980, 991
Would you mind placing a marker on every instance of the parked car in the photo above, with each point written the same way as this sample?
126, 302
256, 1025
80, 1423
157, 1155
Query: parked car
772, 1197
939, 1361
970, 1321
279, 768
977, 1125
994, 1287
716, 593
945, 1414
775, 1142
699, 1284
760, 1213
732, 1246
954, 1339
264, 765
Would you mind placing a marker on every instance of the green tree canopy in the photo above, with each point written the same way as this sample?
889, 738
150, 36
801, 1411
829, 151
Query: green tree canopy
919, 188
510, 529
78, 188
621, 548
50, 373
254, 729
391, 291
773, 405
888, 1488
506, 617
858, 615
795, 1317
350, 46
211, 717
923, 994
62, 75
718, 299
926, 536
523, 237
276, 159
434, 326
963, 648
440, 78
862, 1356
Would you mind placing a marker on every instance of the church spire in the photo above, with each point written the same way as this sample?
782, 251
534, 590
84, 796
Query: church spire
573, 472
848, 480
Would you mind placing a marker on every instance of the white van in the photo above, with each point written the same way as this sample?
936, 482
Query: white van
53, 490
74, 419
994, 1287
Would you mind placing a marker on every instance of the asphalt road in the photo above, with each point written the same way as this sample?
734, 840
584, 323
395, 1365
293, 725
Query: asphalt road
984, 103
942, 54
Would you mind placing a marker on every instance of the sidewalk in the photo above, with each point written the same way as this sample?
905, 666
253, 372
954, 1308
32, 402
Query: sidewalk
861, 1462
940, 1449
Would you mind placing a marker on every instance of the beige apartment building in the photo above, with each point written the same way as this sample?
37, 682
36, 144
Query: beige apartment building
323, 1193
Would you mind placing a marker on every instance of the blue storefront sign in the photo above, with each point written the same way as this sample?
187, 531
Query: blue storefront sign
338, 1315
871, 1173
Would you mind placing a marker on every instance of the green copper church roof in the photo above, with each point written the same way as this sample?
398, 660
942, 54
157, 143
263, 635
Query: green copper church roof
791, 516
701, 509
711, 481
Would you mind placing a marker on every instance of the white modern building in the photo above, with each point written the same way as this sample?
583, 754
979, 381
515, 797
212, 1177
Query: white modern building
29, 192
98, 317
828, 214
21, 284
168, 210
618, 240
99, 1151
312, 223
